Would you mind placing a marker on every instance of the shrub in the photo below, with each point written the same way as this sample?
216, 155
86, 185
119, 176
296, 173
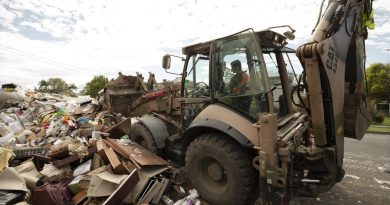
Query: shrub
378, 117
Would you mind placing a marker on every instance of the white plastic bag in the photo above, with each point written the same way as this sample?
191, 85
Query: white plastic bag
8, 139
5, 129
15, 126
6, 118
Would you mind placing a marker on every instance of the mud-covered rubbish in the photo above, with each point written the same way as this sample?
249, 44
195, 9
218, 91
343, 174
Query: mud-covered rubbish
75, 150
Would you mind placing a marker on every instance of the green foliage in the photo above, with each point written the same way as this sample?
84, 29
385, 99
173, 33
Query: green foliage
378, 117
386, 121
56, 85
378, 77
93, 87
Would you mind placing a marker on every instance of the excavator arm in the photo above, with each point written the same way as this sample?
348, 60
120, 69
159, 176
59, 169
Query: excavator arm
333, 63
310, 156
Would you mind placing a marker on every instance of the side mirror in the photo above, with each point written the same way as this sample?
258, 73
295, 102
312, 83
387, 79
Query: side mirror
290, 35
166, 61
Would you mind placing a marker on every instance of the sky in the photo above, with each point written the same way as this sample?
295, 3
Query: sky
78, 39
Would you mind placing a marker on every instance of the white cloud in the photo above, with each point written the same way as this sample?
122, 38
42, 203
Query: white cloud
106, 36
382, 5
50, 11
34, 25
371, 42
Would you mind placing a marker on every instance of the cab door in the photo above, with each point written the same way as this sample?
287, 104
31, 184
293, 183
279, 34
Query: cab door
196, 88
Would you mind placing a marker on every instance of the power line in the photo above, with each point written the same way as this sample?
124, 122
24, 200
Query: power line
49, 61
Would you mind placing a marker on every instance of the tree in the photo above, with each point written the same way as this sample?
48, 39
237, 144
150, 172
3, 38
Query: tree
93, 87
378, 77
42, 86
56, 85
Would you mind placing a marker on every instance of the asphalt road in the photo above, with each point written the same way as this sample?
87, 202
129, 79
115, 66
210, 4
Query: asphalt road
366, 181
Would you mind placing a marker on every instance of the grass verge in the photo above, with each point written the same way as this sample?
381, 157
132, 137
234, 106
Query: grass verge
386, 121
379, 129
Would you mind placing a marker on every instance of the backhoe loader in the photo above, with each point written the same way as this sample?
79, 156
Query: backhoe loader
244, 132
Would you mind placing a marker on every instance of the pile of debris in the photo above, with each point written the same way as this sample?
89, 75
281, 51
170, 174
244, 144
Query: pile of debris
63, 150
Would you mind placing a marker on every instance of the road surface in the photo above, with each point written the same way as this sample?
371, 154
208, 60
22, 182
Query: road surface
366, 181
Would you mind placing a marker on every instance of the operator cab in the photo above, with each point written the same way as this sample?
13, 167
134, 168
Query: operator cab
239, 72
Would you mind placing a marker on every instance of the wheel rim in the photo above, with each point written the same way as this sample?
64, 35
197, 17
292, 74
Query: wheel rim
212, 175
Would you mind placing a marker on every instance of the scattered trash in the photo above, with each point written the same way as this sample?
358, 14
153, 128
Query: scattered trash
5, 156
192, 198
385, 168
352, 176
384, 187
167, 200
381, 181
63, 150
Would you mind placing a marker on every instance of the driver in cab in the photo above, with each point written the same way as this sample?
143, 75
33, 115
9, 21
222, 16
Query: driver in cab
238, 82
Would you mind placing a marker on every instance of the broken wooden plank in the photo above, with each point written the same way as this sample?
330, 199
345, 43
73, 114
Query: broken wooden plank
145, 175
100, 150
151, 193
59, 154
122, 169
73, 158
97, 161
79, 198
112, 158
123, 190
137, 153
144, 156
100, 146
126, 168
164, 183
113, 144
118, 167
116, 146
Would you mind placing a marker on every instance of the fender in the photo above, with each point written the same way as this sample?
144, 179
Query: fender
206, 124
219, 117
157, 128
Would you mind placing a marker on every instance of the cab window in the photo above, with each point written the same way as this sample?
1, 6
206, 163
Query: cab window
196, 83
240, 76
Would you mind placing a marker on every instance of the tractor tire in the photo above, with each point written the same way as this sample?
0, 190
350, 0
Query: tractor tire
140, 134
220, 169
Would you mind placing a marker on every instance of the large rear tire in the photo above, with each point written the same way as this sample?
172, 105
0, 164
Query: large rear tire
220, 169
141, 135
